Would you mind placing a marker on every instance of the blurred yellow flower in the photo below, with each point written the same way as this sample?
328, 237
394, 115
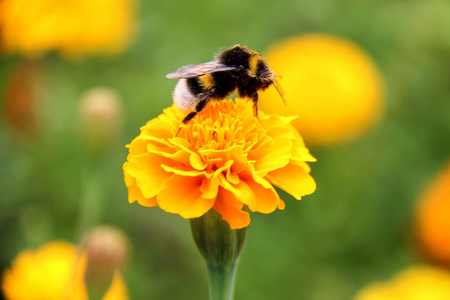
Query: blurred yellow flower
330, 83
73, 28
433, 218
414, 283
223, 159
53, 272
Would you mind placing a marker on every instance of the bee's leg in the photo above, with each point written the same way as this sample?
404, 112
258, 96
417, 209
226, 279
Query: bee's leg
255, 104
178, 131
203, 99
186, 119
189, 117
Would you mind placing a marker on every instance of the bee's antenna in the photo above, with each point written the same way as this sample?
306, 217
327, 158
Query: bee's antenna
280, 91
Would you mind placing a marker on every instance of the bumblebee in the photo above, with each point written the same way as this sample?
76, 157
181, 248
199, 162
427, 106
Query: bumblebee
238, 68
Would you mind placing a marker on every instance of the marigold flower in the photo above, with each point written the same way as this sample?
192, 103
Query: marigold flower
73, 28
223, 159
53, 272
433, 218
330, 83
414, 283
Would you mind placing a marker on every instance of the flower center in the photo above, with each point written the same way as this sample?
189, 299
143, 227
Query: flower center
223, 124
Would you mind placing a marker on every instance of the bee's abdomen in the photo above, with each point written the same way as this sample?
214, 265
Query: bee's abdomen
183, 97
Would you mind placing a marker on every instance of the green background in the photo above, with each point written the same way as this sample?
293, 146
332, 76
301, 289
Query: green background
355, 229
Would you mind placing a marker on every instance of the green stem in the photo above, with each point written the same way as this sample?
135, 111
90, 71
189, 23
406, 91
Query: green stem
94, 294
221, 281
91, 198
220, 246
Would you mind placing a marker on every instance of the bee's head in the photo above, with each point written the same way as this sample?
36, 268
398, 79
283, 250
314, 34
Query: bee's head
266, 78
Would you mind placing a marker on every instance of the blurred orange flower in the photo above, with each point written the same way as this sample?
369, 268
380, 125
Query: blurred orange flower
330, 83
21, 99
53, 272
223, 159
433, 218
414, 283
73, 28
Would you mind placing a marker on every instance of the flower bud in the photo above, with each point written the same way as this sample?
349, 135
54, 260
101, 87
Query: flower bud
100, 118
220, 246
106, 249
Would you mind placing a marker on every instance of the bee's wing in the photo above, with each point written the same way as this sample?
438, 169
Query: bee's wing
190, 71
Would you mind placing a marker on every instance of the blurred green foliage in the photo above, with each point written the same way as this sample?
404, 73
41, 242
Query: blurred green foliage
355, 229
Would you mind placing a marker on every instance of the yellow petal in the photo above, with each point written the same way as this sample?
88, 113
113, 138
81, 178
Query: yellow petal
135, 194
231, 210
181, 195
183, 170
210, 187
147, 171
283, 130
137, 146
158, 128
294, 180
232, 177
271, 157
300, 152
197, 162
271, 121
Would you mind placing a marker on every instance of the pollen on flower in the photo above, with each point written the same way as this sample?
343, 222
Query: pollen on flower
223, 159
222, 126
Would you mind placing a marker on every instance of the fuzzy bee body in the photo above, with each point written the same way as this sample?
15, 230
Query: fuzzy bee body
238, 68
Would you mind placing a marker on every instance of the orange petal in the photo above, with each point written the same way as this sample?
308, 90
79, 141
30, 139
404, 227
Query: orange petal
147, 171
294, 180
181, 195
258, 197
231, 210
